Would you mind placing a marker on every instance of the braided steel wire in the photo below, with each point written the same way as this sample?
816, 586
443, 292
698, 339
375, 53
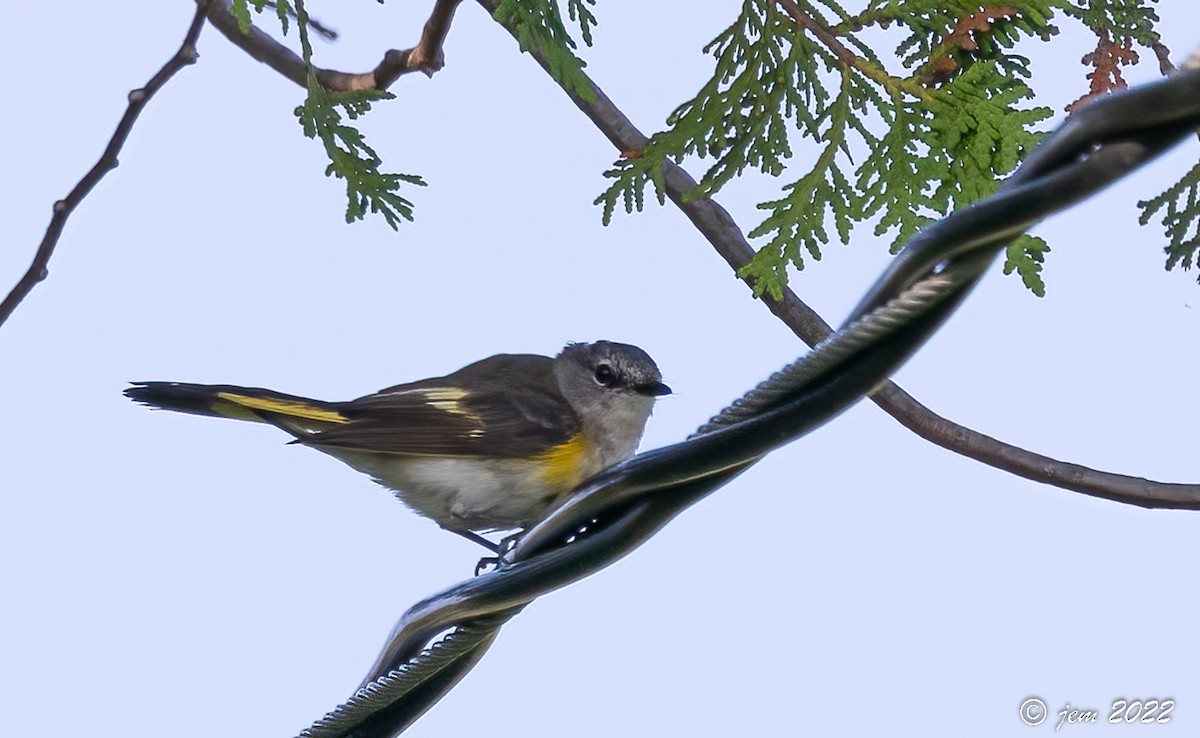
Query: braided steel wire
616, 511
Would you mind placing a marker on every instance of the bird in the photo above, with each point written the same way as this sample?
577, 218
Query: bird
483, 449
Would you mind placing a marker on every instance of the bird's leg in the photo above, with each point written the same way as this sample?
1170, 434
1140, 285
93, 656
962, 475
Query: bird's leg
486, 561
495, 548
505, 545
501, 549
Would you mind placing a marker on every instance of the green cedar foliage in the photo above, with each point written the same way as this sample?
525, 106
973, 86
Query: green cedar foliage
1121, 19
241, 11
539, 28
1181, 219
351, 159
896, 147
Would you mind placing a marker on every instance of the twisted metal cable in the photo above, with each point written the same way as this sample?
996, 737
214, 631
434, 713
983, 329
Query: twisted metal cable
442, 660
830, 354
616, 511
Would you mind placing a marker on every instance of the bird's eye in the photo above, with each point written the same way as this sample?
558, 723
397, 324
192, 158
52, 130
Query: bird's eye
605, 376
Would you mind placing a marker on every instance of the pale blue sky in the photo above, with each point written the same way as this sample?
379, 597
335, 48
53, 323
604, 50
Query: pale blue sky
168, 574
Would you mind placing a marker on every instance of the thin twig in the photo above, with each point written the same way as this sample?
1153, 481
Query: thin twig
39, 269
715, 223
1163, 54
426, 57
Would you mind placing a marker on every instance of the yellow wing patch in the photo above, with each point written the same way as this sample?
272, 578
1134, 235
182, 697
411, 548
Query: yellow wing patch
448, 400
564, 466
284, 407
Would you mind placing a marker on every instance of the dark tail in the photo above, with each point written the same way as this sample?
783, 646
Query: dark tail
240, 403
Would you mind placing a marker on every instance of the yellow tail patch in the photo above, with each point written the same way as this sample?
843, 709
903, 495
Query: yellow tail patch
284, 407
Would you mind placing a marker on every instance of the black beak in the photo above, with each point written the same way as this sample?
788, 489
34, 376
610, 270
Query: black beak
654, 390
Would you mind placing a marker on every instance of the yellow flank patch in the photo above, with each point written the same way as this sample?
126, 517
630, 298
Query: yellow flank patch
284, 407
565, 466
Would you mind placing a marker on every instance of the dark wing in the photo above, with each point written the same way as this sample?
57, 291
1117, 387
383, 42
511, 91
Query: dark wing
505, 406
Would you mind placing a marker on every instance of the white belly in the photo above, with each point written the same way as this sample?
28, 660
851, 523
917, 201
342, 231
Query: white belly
461, 493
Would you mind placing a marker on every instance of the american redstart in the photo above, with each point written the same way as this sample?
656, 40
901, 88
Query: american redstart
486, 448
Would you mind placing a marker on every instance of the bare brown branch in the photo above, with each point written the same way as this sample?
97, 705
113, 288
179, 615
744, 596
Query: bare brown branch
426, 57
138, 98
715, 223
